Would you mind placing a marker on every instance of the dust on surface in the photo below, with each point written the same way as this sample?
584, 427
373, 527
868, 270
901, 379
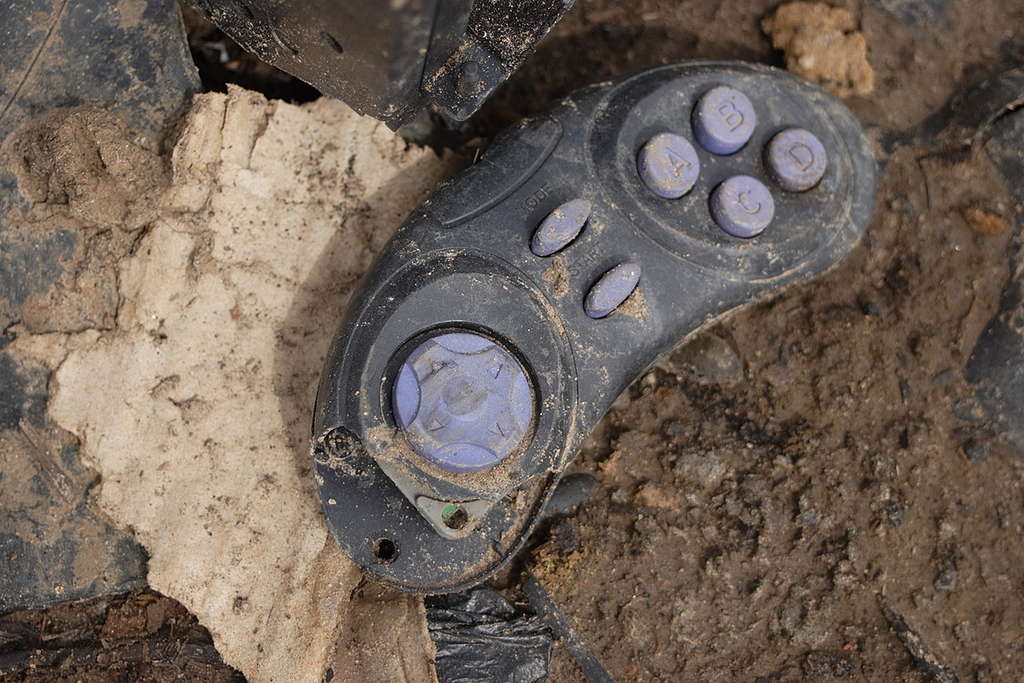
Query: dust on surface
83, 172
635, 304
821, 44
194, 407
557, 276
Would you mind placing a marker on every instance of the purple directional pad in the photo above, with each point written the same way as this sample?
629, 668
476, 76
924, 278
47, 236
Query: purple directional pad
463, 401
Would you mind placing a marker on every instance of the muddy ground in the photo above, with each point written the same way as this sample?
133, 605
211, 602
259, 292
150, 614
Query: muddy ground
779, 498
781, 492
141, 636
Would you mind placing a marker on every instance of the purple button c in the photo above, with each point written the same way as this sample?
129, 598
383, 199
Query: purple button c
742, 206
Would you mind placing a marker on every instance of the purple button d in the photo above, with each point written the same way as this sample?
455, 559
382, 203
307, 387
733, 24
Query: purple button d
723, 120
797, 159
742, 206
463, 402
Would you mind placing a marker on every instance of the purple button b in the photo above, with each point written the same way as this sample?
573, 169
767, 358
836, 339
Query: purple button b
723, 120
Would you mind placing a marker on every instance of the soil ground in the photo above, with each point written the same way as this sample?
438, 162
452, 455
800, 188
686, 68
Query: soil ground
783, 495
141, 636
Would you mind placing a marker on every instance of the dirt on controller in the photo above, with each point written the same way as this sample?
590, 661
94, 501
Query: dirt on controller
462, 382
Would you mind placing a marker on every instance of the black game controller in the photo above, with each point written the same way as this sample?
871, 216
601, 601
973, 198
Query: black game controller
513, 307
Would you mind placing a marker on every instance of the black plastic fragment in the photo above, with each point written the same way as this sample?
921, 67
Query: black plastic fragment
548, 610
132, 57
392, 61
996, 366
572, 490
922, 656
915, 11
481, 638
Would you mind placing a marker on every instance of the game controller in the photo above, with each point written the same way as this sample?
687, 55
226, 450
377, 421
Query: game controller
512, 308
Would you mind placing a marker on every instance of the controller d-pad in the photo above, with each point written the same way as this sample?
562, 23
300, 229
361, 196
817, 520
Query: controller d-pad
463, 401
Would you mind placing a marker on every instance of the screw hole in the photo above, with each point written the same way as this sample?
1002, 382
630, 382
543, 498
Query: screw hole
456, 519
385, 550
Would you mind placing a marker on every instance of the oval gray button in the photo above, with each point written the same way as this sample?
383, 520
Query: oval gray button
611, 290
560, 227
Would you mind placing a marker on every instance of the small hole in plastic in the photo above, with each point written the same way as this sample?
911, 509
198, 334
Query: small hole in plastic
385, 550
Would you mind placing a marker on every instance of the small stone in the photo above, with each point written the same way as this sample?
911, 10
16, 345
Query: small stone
984, 222
818, 665
711, 360
968, 410
821, 45
945, 378
674, 429
871, 308
975, 451
654, 496
946, 580
894, 514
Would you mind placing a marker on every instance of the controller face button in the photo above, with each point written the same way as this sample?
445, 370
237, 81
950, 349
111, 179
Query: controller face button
463, 401
611, 290
723, 120
797, 159
742, 206
560, 227
668, 165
